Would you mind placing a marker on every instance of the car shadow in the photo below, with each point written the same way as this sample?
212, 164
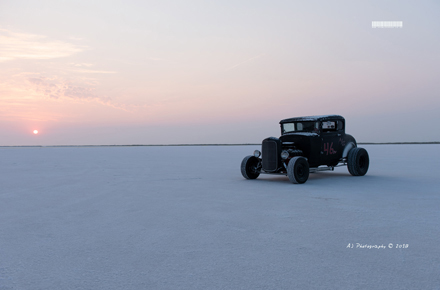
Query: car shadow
330, 176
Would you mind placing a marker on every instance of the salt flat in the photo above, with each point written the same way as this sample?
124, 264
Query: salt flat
184, 218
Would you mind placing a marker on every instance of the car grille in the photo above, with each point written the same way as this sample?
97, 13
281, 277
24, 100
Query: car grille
270, 155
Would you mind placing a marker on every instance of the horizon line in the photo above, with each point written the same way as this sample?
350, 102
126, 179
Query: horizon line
237, 144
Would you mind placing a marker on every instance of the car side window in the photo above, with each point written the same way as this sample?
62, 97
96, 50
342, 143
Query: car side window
329, 126
340, 125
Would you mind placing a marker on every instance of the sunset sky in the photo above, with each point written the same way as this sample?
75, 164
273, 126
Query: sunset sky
174, 72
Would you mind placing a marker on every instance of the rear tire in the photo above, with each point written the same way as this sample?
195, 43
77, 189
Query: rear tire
298, 169
249, 167
358, 161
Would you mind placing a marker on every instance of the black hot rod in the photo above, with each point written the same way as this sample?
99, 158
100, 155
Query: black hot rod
307, 144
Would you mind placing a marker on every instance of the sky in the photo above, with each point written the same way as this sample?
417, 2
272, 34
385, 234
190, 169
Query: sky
210, 72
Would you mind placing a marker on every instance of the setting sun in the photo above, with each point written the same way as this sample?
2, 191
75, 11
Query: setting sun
35, 132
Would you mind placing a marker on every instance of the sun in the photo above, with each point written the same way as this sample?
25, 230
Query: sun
35, 132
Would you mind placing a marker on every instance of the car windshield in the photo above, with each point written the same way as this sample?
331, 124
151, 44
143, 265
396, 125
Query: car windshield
300, 127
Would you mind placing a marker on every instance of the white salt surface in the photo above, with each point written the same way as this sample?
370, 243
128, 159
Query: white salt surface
184, 218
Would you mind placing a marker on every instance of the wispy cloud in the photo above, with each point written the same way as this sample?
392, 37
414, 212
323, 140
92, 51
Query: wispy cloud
55, 88
81, 64
15, 45
21, 95
246, 61
88, 71
85, 68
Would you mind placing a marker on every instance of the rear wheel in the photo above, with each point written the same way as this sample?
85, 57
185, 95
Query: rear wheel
298, 169
249, 167
358, 161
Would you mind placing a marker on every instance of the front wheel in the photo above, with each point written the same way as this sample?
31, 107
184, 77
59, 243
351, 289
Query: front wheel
249, 167
358, 161
298, 169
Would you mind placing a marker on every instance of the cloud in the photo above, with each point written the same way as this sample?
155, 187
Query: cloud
14, 45
55, 88
35, 97
88, 71
83, 68
81, 64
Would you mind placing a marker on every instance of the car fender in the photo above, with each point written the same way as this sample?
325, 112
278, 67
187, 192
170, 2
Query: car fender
347, 148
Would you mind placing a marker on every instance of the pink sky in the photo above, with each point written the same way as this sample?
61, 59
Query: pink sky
116, 72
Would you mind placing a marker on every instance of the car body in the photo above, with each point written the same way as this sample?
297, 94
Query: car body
307, 144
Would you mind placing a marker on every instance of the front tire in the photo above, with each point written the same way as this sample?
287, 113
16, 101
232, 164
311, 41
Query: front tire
249, 167
298, 169
358, 161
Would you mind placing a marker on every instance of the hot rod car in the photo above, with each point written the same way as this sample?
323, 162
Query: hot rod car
307, 145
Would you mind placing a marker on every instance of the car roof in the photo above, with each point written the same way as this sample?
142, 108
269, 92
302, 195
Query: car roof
313, 118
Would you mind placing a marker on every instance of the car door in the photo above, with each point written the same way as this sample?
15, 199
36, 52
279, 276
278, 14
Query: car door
331, 146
